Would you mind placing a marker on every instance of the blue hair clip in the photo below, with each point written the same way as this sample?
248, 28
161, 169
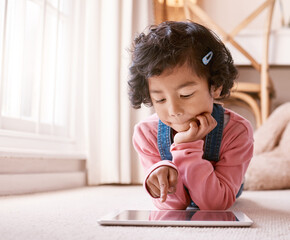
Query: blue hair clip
207, 58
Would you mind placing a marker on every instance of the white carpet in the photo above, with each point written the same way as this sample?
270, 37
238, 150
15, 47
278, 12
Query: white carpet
73, 214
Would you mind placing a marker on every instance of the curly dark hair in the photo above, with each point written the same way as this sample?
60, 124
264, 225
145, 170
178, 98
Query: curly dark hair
172, 44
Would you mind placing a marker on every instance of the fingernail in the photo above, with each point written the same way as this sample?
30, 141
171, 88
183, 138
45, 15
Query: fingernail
163, 198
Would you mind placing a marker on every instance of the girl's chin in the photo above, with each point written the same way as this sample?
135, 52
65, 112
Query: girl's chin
181, 128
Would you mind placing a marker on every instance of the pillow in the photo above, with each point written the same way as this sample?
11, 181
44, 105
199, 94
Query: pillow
270, 165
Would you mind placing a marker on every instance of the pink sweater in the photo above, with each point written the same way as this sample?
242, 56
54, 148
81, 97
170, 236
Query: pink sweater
211, 185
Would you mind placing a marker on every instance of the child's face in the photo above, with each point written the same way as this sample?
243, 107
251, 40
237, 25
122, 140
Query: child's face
179, 95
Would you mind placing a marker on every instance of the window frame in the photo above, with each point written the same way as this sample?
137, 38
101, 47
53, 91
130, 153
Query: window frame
34, 143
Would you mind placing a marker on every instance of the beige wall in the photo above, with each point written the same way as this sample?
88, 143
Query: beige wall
228, 13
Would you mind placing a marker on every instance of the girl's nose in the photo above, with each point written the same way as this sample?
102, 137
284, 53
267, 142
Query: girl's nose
175, 109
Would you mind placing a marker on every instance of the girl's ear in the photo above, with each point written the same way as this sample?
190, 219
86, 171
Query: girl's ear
216, 92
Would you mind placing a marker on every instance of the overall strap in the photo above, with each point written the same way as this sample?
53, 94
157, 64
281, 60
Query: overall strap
164, 141
212, 140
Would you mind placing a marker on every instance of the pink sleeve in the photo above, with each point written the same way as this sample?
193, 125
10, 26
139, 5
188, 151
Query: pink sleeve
145, 143
215, 185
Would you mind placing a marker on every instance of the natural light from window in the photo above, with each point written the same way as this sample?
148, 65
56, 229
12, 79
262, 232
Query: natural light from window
40, 75
35, 60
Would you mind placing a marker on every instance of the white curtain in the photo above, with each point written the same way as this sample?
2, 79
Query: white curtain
110, 27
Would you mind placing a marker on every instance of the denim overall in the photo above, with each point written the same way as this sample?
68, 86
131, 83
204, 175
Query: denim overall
212, 141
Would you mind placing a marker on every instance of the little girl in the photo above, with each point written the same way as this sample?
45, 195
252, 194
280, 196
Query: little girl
194, 151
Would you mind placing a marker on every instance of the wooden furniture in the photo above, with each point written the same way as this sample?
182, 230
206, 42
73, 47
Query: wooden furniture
257, 96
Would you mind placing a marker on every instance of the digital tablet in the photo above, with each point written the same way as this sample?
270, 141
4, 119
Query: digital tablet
177, 218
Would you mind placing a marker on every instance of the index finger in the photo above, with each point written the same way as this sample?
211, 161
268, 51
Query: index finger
163, 183
209, 117
207, 121
172, 179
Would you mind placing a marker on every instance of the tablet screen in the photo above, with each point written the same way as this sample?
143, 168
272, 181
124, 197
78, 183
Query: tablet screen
177, 218
177, 215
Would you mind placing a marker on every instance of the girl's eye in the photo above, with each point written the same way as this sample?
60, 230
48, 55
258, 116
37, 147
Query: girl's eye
186, 96
160, 101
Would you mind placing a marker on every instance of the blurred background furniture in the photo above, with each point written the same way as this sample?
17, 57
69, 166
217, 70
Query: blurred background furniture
256, 95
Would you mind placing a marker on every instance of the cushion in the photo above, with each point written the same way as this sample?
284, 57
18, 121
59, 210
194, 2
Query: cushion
270, 165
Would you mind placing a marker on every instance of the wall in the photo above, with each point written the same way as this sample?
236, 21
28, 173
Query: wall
228, 13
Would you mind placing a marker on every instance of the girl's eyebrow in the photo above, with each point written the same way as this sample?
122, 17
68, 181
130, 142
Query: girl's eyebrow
155, 91
191, 83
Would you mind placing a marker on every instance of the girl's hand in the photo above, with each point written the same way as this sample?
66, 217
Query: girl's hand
197, 129
162, 181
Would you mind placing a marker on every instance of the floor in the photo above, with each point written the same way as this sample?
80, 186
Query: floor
72, 214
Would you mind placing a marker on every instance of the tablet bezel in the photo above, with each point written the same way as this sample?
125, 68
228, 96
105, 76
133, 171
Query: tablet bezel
244, 220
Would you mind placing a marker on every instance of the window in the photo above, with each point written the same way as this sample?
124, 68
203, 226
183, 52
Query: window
36, 86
